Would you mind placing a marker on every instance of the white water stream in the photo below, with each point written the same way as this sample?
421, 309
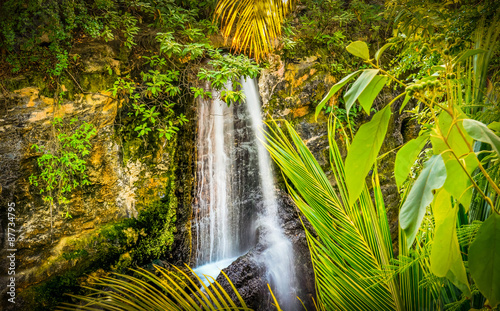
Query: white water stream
234, 172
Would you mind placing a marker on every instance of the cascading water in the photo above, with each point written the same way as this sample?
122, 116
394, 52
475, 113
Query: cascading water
216, 219
278, 256
236, 196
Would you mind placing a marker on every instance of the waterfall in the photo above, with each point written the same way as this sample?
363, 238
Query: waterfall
216, 219
278, 256
236, 194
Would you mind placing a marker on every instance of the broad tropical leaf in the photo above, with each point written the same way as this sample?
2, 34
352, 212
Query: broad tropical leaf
364, 150
446, 259
406, 157
369, 94
362, 83
484, 259
448, 140
449, 129
479, 131
432, 177
359, 49
457, 182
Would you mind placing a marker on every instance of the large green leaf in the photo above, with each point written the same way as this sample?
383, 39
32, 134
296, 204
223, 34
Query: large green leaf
364, 150
446, 259
450, 130
405, 101
332, 92
406, 157
479, 131
369, 94
484, 259
381, 51
358, 87
359, 49
458, 182
432, 177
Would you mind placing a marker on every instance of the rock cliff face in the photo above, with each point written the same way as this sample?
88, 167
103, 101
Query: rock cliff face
125, 180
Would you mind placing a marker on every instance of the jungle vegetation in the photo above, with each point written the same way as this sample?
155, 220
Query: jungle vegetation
439, 59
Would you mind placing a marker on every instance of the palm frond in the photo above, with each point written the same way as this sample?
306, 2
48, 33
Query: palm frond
147, 291
353, 244
255, 25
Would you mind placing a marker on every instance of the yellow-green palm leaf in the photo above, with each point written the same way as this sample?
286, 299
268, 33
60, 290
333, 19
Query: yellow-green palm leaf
148, 291
352, 249
254, 25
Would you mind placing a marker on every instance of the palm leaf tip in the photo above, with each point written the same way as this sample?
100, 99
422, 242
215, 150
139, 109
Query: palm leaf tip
255, 24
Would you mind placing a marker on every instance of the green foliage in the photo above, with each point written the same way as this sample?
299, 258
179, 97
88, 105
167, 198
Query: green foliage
39, 35
323, 27
140, 240
79, 253
364, 89
421, 195
359, 49
332, 92
47, 295
406, 158
226, 70
425, 29
481, 132
364, 150
256, 24
352, 245
157, 227
484, 256
447, 180
63, 164
446, 259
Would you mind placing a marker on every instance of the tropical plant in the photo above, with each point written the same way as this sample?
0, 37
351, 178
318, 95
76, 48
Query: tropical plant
445, 182
352, 255
255, 25
353, 247
62, 163
159, 290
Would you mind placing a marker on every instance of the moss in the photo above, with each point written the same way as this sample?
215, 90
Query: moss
89, 82
22, 81
131, 149
48, 295
117, 247
95, 82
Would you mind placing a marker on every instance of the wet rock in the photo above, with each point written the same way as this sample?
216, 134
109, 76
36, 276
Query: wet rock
249, 275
